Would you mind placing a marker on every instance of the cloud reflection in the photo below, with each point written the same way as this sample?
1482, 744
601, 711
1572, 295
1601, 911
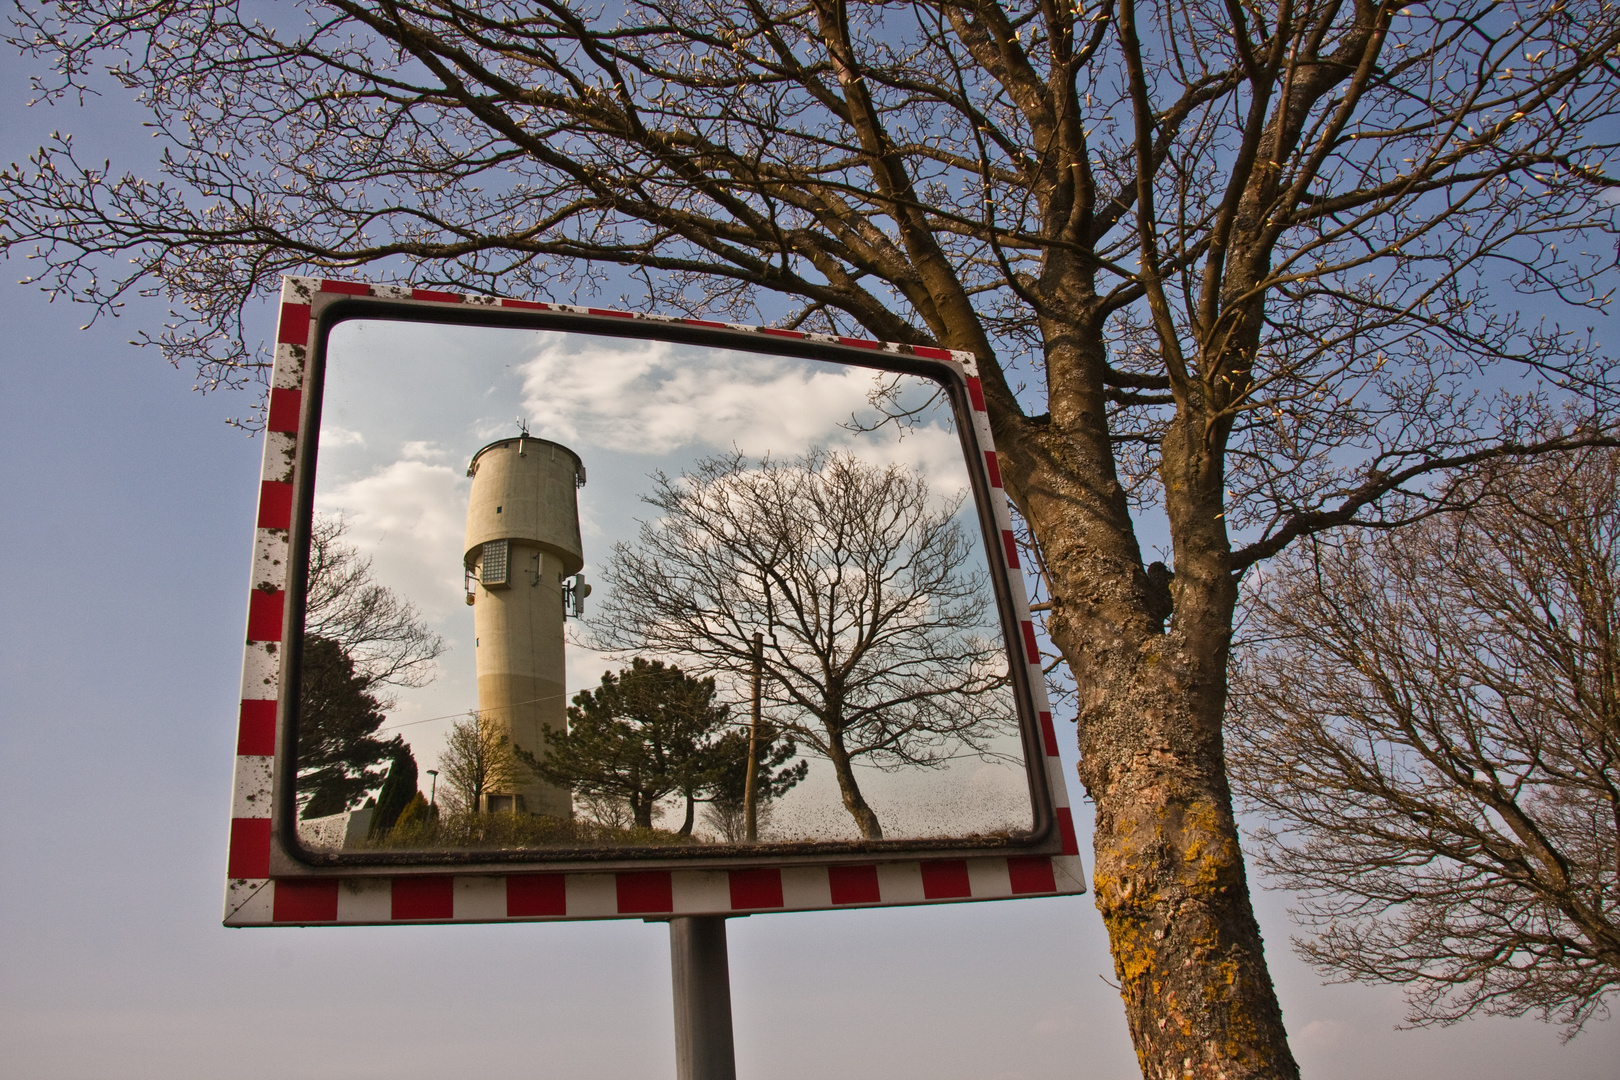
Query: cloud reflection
646, 398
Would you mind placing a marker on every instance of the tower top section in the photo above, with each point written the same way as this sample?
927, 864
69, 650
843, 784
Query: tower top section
524, 438
524, 489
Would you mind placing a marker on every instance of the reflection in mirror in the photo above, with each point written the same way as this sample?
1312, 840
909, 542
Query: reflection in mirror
766, 619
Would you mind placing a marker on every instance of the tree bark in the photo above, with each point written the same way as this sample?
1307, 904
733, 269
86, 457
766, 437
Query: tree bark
1169, 878
1168, 875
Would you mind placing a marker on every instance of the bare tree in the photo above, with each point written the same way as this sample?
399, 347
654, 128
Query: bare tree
1433, 729
605, 810
381, 632
874, 620
1238, 263
477, 759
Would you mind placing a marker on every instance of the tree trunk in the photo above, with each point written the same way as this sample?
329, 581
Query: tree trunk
691, 814
1168, 874
642, 807
1169, 878
854, 802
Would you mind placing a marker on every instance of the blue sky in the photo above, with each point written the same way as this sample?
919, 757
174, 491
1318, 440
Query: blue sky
125, 537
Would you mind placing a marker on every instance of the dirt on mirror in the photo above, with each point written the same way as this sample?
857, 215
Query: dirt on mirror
591, 595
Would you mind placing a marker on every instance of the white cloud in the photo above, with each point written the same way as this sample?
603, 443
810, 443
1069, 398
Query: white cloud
933, 452
410, 517
644, 398
653, 398
332, 437
422, 451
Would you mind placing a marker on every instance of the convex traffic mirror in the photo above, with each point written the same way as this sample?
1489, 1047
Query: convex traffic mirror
569, 590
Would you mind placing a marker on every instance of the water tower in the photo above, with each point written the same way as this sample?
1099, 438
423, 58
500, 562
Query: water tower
521, 554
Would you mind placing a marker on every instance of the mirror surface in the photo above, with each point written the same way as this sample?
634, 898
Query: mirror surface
538, 564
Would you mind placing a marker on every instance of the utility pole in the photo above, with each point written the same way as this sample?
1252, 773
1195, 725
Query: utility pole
751, 782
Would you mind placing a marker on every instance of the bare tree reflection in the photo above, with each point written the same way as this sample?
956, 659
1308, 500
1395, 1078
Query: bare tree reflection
381, 632
477, 759
359, 638
876, 623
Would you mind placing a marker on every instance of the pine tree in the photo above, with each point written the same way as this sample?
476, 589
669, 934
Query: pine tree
339, 753
726, 780
416, 812
397, 792
648, 732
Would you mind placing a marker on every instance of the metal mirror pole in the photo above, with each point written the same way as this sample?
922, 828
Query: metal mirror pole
702, 977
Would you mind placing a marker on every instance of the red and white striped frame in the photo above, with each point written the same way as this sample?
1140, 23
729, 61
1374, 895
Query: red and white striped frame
254, 898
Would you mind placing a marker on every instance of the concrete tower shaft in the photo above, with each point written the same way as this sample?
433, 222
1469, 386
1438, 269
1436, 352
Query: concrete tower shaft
522, 540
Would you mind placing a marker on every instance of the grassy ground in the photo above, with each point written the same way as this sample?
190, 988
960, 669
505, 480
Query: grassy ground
507, 830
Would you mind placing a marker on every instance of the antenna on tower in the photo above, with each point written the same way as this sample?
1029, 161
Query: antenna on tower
523, 427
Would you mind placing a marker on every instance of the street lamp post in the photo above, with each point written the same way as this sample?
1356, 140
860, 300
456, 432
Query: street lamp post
433, 790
